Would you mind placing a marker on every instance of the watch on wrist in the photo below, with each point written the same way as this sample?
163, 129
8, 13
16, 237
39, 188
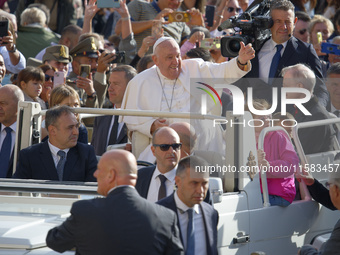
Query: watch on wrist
92, 96
14, 49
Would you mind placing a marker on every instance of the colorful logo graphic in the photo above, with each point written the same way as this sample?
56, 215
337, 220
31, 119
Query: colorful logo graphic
209, 93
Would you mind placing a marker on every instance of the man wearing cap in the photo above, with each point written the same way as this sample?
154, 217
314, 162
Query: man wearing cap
91, 92
58, 57
168, 85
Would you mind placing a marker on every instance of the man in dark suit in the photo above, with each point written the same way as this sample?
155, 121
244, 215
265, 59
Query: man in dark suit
106, 129
192, 187
332, 246
10, 95
121, 223
61, 157
314, 139
292, 51
156, 182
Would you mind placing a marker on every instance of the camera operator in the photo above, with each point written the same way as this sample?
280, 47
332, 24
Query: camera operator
287, 51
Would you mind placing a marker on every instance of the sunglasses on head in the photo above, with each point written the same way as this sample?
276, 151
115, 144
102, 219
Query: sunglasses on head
231, 9
166, 147
302, 31
48, 77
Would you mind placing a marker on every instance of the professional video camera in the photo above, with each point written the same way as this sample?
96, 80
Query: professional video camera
254, 25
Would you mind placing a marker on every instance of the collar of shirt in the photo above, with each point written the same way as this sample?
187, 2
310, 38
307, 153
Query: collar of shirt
183, 207
169, 175
13, 127
119, 187
54, 150
265, 57
271, 44
162, 77
155, 5
3, 134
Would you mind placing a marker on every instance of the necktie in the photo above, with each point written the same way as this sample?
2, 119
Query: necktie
114, 131
190, 233
275, 63
5, 152
61, 164
162, 188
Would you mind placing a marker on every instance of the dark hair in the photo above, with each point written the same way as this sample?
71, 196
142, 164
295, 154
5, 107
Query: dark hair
200, 53
284, 5
30, 73
334, 69
53, 114
46, 67
302, 16
129, 71
336, 20
200, 29
190, 162
143, 63
70, 29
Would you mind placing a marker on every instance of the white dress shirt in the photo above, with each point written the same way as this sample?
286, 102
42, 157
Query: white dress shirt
200, 239
120, 126
3, 134
54, 150
266, 55
156, 183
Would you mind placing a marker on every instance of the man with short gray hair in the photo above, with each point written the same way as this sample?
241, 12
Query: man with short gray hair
314, 139
61, 157
10, 95
197, 219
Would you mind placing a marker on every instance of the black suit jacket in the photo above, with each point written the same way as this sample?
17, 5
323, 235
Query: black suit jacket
144, 180
321, 194
10, 165
315, 139
210, 219
101, 130
36, 162
295, 52
121, 223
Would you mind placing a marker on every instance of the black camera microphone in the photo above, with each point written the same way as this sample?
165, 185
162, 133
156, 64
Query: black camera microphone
226, 24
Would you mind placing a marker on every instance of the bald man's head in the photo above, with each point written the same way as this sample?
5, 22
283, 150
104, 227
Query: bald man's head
115, 168
187, 137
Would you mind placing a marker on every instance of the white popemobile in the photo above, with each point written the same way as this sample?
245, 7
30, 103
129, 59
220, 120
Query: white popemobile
28, 209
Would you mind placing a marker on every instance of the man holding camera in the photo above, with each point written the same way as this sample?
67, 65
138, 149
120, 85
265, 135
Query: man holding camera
143, 14
280, 51
91, 91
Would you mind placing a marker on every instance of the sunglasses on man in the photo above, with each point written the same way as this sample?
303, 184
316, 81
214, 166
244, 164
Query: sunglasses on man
166, 147
231, 9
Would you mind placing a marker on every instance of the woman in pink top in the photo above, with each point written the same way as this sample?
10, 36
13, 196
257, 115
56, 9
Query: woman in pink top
278, 158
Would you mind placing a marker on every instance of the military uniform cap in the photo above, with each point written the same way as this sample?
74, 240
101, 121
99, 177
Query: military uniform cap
58, 53
87, 48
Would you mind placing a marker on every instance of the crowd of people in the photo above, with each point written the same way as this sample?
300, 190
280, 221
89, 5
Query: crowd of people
63, 54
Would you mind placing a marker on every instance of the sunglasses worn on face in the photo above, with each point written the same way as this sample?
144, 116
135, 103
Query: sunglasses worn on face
165, 147
48, 77
302, 31
231, 9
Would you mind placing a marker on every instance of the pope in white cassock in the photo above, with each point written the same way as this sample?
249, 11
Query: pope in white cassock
168, 87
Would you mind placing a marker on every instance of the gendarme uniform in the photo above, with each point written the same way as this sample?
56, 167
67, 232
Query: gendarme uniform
88, 48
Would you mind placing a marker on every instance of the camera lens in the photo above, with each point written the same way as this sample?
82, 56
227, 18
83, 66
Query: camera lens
179, 17
234, 45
